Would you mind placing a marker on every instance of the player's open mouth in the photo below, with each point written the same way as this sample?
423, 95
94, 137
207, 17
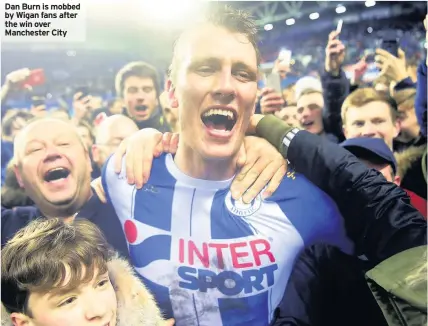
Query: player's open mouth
219, 120
56, 174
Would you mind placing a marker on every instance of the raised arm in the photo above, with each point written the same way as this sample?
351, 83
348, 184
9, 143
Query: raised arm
378, 215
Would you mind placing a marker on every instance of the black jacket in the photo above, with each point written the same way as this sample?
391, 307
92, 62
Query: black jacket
103, 215
328, 287
378, 215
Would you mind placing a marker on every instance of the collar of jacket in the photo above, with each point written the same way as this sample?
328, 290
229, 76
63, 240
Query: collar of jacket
391, 275
135, 304
408, 157
156, 120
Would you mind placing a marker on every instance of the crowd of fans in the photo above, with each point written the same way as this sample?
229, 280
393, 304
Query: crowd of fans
381, 123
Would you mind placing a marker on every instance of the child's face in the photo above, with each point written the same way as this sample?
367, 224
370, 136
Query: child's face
92, 303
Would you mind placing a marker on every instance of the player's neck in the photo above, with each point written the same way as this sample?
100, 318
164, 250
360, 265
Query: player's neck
192, 164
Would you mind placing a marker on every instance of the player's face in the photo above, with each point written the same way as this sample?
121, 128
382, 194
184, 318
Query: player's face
215, 91
53, 168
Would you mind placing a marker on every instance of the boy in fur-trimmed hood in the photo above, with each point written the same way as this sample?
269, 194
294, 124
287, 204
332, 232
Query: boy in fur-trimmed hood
54, 273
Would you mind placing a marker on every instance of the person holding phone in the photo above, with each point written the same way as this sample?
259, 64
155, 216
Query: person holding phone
12, 82
337, 88
391, 66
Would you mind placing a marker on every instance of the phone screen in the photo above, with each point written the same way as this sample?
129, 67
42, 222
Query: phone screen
285, 56
273, 81
36, 77
369, 55
371, 74
339, 26
391, 46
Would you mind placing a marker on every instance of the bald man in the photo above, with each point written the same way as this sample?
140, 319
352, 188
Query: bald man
53, 167
109, 135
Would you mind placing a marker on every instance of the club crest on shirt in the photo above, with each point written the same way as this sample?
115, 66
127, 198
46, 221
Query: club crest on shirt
239, 208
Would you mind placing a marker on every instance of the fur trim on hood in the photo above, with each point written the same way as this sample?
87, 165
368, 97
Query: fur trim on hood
406, 158
135, 304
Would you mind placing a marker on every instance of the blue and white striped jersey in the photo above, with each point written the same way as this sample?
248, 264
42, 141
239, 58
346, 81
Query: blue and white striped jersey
211, 260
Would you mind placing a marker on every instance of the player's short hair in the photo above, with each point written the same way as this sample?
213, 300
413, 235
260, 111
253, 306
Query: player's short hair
363, 96
41, 256
236, 21
138, 69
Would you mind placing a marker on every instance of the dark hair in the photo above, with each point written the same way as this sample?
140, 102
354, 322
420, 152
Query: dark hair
138, 69
236, 21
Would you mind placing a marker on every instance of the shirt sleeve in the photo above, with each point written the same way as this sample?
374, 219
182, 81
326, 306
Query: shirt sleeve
117, 190
312, 212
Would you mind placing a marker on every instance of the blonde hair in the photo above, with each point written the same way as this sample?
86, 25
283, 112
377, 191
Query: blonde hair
363, 96
49, 252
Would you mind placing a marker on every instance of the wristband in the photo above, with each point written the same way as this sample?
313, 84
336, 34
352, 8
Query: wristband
286, 141
276, 132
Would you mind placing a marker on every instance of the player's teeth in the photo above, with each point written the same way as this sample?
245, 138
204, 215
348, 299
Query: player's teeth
219, 112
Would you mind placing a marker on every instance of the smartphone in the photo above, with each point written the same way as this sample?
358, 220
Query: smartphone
284, 56
36, 78
390, 45
339, 26
273, 80
369, 55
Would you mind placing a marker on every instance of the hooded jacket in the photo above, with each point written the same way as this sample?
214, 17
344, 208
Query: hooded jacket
402, 304
135, 304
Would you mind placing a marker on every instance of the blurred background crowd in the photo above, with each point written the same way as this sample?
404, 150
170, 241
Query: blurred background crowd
305, 75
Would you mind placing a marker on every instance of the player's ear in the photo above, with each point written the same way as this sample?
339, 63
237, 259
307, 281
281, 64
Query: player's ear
171, 94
